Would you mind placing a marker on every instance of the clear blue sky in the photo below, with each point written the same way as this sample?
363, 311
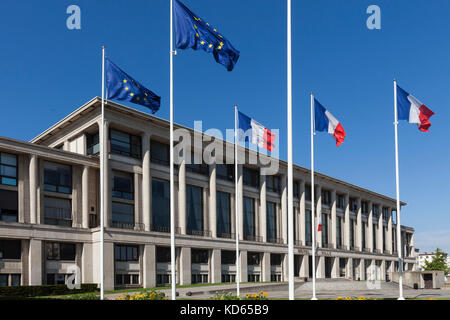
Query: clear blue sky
47, 71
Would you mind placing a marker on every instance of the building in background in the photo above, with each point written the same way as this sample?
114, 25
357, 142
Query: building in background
50, 201
422, 257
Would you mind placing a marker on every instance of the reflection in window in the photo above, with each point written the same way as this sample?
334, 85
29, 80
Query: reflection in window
8, 206
159, 153
125, 144
122, 186
57, 178
8, 169
122, 215
58, 211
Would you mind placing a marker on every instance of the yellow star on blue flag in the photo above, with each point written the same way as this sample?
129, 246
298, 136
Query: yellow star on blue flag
120, 86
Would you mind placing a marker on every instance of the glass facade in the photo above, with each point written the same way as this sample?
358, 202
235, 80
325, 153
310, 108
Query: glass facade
194, 208
271, 221
223, 214
249, 217
160, 205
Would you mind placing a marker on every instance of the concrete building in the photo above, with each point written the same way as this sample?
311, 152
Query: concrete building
422, 257
50, 202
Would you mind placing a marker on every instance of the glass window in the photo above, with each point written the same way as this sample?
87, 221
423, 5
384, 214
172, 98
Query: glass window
249, 217
126, 253
253, 258
296, 189
271, 221
273, 184
8, 169
352, 233
386, 214
324, 229
376, 211
228, 257
160, 205
339, 231
3, 280
197, 165
225, 172
8, 206
57, 178
15, 280
308, 226
199, 256
125, 144
123, 186
364, 207
92, 144
276, 259
122, 215
163, 254
194, 208
57, 211
340, 202
326, 197
159, 153
251, 177
10, 249
60, 251
308, 192
223, 214
353, 205
363, 234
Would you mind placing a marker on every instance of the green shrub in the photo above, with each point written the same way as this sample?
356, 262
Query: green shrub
45, 290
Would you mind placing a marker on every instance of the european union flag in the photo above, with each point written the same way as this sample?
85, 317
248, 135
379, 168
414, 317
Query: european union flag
193, 32
121, 86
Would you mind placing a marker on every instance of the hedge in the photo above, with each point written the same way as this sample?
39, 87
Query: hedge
45, 290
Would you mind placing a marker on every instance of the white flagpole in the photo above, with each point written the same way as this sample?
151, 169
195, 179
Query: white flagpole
397, 178
313, 215
290, 169
172, 193
102, 184
238, 270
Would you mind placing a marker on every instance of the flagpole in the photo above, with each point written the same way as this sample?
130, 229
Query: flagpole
397, 178
238, 272
290, 168
172, 193
313, 215
102, 184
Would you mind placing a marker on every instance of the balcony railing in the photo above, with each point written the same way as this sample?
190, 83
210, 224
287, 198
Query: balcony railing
253, 238
200, 233
127, 225
275, 240
164, 229
226, 235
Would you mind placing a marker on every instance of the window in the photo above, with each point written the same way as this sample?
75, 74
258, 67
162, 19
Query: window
163, 255
376, 211
160, 205
197, 166
8, 169
308, 192
123, 186
122, 215
253, 258
199, 256
15, 280
228, 257
60, 251
57, 178
385, 214
127, 279
340, 202
125, 144
364, 207
249, 217
223, 215
271, 221
3, 280
225, 172
194, 208
126, 253
352, 233
326, 197
353, 205
10, 249
92, 144
57, 211
275, 259
8, 206
273, 184
324, 229
251, 177
159, 153
363, 234
308, 226
374, 237
384, 238
296, 189
339, 231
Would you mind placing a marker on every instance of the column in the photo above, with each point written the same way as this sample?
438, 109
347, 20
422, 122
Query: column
216, 266
318, 216
182, 218
244, 266
33, 171
263, 210
35, 262
333, 220
146, 183
185, 266
284, 208
383, 270
349, 269
320, 267
285, 268
109, 265
87, 263
370, 230
85, 197
304, 267
335, 268
149, 266
266, 267
212, 201
347, 222
301, 223
389, 232
362, 269
358, 232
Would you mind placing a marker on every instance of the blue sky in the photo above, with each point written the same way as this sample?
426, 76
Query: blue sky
48, 71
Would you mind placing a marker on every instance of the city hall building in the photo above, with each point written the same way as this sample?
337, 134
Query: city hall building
50, 204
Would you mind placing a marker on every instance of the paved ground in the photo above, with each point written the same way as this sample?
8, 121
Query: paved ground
325, 289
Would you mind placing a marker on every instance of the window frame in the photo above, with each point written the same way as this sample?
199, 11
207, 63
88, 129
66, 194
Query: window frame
133, 146
2, 176
59, 187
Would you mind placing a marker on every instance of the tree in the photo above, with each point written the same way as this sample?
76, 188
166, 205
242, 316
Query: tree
439, 262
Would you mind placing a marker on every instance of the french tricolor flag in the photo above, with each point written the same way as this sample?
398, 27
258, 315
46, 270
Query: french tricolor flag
255, 132
324, 121
412, 110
